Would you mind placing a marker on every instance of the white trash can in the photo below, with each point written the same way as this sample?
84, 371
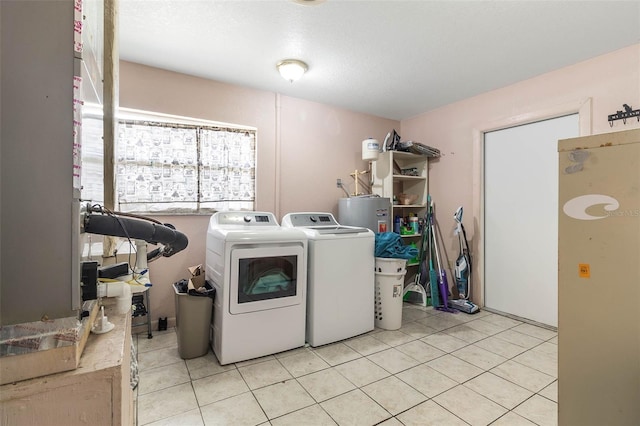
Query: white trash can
388, 300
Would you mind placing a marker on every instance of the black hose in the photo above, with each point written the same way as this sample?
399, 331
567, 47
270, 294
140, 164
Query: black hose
112, 225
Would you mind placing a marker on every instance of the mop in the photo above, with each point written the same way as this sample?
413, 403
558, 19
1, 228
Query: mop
433, 276
443, 286
415, 293
462, 272
441, 280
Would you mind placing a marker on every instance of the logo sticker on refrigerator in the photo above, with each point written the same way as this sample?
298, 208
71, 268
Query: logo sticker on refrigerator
577, 207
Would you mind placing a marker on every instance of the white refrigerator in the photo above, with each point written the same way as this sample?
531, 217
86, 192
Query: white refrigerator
599, 280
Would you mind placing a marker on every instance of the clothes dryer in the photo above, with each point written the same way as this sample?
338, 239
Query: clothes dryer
340, 277
259, 271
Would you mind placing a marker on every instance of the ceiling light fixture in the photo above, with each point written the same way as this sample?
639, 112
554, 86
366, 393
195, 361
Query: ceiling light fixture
291, 69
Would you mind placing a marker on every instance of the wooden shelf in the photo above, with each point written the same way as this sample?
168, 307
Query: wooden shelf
409, 206
389, 182
408, 177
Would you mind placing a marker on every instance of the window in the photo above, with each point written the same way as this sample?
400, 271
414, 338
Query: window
181, 166
92, 171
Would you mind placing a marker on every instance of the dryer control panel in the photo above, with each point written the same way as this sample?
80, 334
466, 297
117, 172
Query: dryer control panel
244, 218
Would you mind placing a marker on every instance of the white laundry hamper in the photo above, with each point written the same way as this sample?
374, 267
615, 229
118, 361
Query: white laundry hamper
390, 265
389, 290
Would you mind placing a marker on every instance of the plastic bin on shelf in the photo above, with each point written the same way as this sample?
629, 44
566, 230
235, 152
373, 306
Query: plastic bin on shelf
193, 319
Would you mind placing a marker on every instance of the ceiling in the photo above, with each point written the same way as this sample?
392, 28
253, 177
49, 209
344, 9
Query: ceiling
394, 59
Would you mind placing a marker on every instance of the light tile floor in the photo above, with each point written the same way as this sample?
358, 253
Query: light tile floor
438, 369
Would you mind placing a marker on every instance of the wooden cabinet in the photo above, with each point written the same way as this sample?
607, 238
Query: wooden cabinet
98, 392
395, 173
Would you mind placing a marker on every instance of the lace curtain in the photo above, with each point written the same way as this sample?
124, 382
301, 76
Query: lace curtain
174, 168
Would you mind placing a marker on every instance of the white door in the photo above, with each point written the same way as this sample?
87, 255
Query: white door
521, 218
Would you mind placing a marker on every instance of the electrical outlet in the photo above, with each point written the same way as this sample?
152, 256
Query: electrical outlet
339, 183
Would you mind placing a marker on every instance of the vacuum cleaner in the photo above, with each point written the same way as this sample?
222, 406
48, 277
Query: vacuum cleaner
462, 273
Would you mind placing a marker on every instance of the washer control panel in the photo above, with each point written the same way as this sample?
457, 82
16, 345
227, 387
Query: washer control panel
312, 219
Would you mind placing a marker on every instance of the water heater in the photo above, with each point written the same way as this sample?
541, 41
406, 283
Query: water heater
367, 211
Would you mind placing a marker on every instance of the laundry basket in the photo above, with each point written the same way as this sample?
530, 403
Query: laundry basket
388, 299
390, 265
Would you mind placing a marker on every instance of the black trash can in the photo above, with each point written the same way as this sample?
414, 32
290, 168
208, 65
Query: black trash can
193, 318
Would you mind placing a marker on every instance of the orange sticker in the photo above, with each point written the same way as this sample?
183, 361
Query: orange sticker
584, 270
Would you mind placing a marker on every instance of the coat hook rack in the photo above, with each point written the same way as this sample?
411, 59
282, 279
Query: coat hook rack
623, 115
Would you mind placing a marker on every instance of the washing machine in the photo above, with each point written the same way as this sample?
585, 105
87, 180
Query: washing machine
259, 272
340, 277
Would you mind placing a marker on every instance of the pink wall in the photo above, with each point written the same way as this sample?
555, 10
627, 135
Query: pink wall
303, 147
319, 145
609, 81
